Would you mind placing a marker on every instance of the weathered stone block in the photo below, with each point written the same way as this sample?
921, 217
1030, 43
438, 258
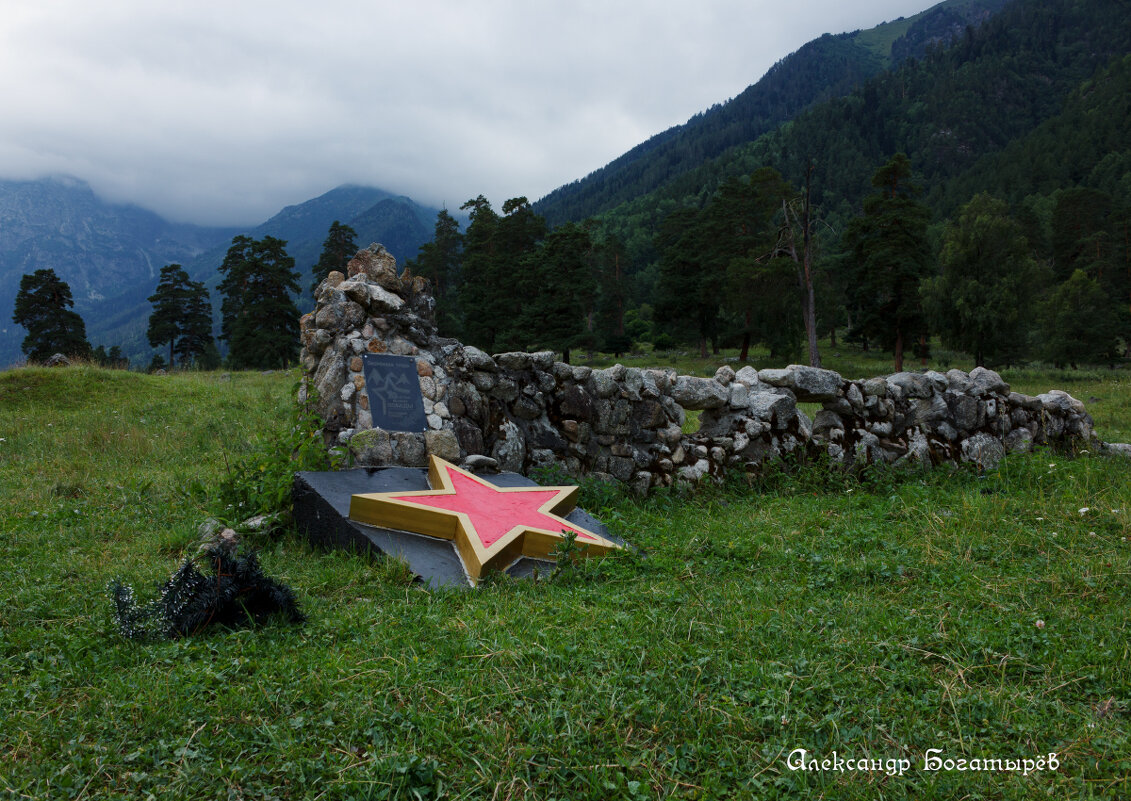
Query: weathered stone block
747, 375
514, 360
604, 385
648, 414
444, 444
876, 387
509, 449
778, 410
372, 447
692, 392
724, 375
986, 382
911, 385
478, 360
983, 450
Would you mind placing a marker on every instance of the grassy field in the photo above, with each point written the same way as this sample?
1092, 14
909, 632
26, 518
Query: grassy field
879, 616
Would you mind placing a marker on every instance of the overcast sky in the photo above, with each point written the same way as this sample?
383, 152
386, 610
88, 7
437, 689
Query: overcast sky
224, 112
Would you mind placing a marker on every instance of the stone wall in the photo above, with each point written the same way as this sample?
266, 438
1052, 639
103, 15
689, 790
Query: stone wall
517, 411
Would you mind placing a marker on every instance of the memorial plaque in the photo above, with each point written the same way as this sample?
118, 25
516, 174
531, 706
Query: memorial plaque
393, 386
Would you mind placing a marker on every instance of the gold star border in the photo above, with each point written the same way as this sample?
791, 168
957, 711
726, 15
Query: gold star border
391, 510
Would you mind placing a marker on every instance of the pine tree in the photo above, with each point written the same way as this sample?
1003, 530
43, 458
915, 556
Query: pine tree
167, 300
338, 248
613, 287
495, 250
752, 244
181, 317
43, 308
889, 256
558, 292
690, 288
480, 286
116, 359
196, 343
259, 317
440, 261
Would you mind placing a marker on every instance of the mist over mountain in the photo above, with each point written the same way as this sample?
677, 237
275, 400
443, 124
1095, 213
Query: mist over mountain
1022, 98
112, 254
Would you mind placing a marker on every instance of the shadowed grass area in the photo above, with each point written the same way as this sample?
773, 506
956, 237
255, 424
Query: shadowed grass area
878, 615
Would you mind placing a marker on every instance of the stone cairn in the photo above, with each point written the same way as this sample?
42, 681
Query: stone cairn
518, 411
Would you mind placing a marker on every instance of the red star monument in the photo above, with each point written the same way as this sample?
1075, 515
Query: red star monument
490, 526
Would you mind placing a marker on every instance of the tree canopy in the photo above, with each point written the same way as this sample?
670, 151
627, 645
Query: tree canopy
889, 256
181, 317
983, 300
259, 316
43, 307
338, 248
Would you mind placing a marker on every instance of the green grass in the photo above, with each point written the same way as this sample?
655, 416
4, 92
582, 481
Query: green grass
876, 616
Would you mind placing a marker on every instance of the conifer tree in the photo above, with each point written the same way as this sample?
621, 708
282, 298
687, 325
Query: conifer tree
167, 299
481, 285
181, 317
259, 317
196, 343
440, 261
496, 248
689, 290
889, 256
43, 308
613, 285
338, 248
558, 292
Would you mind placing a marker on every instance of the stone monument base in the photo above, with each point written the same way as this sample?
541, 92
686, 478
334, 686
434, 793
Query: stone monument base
321, 512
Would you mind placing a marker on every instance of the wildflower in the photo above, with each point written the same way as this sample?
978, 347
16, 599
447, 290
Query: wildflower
1040, 624
1084, 510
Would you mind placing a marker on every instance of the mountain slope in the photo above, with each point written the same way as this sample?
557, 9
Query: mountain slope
377, 215
824, 68
111, 254
947, 111
99, 248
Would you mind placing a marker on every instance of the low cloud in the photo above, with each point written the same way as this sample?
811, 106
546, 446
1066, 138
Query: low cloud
223, 113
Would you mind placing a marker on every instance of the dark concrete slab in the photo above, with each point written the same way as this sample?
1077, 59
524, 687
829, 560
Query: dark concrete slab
322, 505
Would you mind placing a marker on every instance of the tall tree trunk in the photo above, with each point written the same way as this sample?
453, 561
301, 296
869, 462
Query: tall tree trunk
923, 351
620, 295
703, 346
810, 299
745, 353
899, 350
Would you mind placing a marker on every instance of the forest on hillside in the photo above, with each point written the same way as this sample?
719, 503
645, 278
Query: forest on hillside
979, 196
